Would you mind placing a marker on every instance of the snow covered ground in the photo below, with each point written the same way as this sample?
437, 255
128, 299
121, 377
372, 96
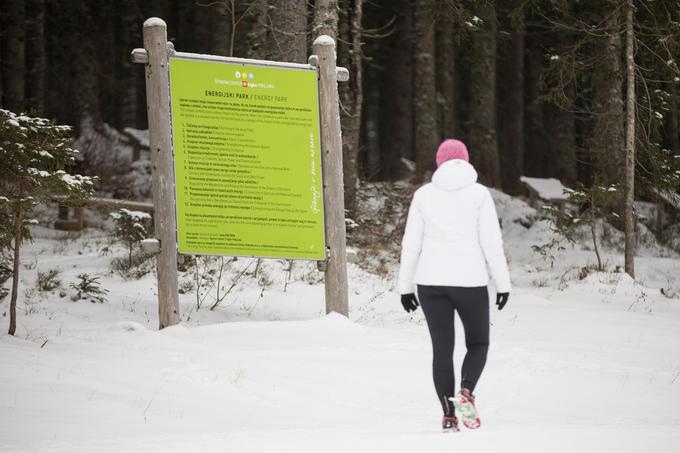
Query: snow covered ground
588, 365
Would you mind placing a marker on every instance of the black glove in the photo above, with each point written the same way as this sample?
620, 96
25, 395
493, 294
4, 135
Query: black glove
502, 299
409, 302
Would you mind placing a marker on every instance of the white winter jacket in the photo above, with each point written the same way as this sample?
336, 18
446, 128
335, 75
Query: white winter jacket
452, 233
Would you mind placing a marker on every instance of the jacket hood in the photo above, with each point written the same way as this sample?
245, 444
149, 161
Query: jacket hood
454, 175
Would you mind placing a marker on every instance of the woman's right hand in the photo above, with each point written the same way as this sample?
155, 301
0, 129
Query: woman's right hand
409, 302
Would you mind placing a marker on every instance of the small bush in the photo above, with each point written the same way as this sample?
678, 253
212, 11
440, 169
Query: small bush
49, 281
549, 250
186, 287
134, 267
5, 274
89, 288
131, 227
265, 280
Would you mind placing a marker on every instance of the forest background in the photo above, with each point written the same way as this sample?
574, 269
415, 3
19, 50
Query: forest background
534, 87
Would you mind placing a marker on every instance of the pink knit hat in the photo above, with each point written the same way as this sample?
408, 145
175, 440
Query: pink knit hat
452, 149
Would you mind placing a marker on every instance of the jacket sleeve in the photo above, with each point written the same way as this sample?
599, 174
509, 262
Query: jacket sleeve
411, 246
491, 240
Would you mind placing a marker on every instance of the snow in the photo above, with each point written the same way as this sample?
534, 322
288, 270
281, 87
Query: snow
42, 173
324, 40
547, 188
576, 364
139, 215
74, 180
140, 135
154, 22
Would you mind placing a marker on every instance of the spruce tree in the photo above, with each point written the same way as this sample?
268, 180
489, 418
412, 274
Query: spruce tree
34, 154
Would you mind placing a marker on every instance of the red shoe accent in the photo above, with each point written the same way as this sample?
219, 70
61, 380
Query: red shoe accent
454, 423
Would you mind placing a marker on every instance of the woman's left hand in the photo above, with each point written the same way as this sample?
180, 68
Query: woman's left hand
502, 299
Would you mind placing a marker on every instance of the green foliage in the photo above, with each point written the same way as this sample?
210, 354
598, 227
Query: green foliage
351, 228
33, 155
593, 202
562, 223
89, 288
131, 227
6, 226
5, 274
596, 200
133, 267
48, 281
186, 286
547, 250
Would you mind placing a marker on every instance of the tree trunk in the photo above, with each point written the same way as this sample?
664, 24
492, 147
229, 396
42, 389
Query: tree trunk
85, 69
560, 126
18, 223
482, 140
126, 82
325, 18
285, 24
186, 26
2, 55
213, 30
13, 55
255, 31
672, 132
444, 49
351, 97
35, 55
593, 236
510, 82
373, 164
629, 214
607, 142
425, 103
534, 127
396, 93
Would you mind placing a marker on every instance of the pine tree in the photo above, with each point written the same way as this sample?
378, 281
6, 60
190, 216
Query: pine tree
33, 155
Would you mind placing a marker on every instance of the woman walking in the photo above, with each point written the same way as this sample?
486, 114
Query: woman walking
452, 235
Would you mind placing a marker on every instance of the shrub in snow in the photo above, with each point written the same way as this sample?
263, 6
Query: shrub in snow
48, 281
547, 250
5, 274
593, 203
131, 227
33, 156
88, 288
140, 266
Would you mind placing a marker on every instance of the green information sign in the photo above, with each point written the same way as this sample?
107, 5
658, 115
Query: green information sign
247, 159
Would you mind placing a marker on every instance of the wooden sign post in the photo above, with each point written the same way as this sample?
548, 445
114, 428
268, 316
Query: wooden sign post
162, 171
333, 186
155, 55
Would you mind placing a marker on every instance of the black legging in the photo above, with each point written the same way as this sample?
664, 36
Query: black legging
472, 304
